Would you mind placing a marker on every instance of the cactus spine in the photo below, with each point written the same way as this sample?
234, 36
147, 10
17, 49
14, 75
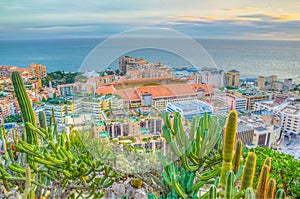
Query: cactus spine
248, 174
237, 156
229, 142
262, 183
229, 188
25, 105
280, 194
42, 120
271, 188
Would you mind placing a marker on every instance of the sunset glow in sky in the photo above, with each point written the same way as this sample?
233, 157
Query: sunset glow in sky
225, 19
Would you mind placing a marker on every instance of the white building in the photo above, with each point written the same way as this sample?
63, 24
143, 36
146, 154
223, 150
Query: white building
264, 134
189, 109
210, 77
288, 110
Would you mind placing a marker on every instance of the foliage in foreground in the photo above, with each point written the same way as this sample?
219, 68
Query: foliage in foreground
45, 163
285, 170
199, 162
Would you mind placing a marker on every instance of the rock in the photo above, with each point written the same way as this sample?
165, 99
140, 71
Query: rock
119, 190
140, 194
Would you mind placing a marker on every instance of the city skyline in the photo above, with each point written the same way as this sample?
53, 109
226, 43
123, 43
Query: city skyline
267, 20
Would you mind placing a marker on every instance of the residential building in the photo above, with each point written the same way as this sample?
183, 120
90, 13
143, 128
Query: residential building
232, 78
235, 102
96, 105
5, 109
37, 71
266, 83
5, 71
128, 62
61, 110
134, 127
76, 88
263, 134
288, 110
252, 95
211, 77
288, 84
149, 70
278, 86
218, 102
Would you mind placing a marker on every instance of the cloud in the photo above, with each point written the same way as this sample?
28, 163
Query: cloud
259, 26
239, 9
268, 17
55, 18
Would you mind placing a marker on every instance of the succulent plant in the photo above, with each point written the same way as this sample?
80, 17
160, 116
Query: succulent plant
261, 189
42, 119
60, 167
249, 171
271, 188
237, 156
229, 143
195, 151
25, 106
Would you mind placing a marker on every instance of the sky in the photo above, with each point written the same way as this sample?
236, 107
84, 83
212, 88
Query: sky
223, 19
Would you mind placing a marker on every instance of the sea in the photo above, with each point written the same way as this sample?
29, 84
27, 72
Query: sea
251, 57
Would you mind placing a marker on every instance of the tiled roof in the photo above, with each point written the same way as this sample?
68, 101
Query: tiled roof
156, 91
105, 90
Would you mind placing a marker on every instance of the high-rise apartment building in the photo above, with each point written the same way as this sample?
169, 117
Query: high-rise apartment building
37, 71
232, 78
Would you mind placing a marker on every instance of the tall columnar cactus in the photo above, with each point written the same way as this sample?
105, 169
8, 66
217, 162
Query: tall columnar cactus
25, 105
42, 120
249, 170
262, 183
229, 143
237, 156
229, 186
271, 188
280, 194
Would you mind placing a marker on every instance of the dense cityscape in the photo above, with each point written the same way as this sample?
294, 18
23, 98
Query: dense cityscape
127, 102
125, 106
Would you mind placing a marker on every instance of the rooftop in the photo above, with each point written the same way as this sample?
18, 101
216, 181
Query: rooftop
99, 123
193, 106
159, 91
242, 127
134, 119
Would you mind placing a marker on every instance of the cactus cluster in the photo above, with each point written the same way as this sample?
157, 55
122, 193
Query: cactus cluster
56, 165
195, 150
236, 180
